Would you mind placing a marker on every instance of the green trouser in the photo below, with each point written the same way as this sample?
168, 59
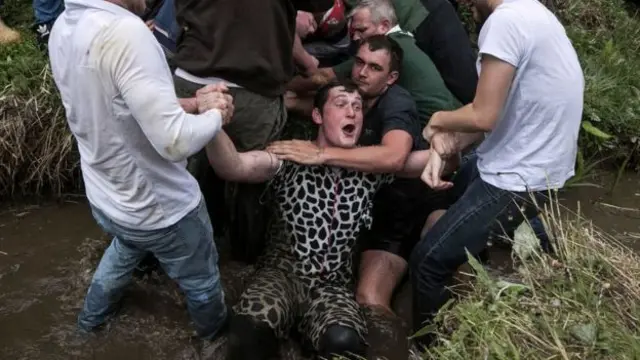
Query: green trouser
236, 207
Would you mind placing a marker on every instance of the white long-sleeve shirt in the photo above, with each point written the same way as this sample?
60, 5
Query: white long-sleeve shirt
133, 135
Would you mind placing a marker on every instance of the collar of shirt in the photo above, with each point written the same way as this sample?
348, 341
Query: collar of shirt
396, 29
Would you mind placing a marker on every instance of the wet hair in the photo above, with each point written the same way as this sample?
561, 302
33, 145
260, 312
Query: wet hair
322, 96
380, 10
384, 42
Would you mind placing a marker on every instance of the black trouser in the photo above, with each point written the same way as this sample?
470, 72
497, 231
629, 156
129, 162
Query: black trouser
442, 36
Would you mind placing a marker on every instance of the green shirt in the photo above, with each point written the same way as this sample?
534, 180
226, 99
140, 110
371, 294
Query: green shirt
418, 76
410, 13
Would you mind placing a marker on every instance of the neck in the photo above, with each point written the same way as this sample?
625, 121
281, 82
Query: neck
321, 141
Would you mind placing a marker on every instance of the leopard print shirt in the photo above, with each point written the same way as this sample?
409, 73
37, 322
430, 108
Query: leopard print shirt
319, 213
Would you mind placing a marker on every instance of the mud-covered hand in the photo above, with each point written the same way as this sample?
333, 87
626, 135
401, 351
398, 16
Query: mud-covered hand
298, 151
432, 173
216, 97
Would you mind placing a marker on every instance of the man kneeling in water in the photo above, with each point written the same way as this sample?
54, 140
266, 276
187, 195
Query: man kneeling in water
304, 280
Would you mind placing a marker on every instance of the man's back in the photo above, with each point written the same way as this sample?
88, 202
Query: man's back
245, 42
126, 176
536, 137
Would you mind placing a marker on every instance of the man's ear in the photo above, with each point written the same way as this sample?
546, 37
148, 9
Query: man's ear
316, 116
384, 26
392, 77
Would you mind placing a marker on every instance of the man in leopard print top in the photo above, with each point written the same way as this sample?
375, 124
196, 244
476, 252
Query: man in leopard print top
304, 280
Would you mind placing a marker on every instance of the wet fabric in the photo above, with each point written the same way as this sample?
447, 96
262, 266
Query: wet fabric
185, 251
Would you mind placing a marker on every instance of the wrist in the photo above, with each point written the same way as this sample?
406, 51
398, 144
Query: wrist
190, 105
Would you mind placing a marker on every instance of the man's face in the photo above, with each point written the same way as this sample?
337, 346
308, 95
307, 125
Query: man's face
371, 71
481, 11
341, 118
362, 26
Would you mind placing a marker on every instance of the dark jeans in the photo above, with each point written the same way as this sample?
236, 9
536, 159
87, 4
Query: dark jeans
47, 11
481, 213
443, 37
236, 207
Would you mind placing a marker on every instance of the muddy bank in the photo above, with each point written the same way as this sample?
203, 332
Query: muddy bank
48, 254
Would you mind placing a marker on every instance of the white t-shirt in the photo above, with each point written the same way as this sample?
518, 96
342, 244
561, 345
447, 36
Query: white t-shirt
534, 143
133, 136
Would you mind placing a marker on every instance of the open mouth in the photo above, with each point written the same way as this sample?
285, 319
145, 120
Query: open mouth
349, 129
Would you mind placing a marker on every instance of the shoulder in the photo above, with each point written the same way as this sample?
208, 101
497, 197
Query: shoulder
396, 99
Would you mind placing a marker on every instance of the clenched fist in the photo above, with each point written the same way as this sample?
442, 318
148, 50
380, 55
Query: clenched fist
216, 97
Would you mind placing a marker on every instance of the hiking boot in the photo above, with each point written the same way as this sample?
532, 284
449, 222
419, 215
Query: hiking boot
7, 34
42, 33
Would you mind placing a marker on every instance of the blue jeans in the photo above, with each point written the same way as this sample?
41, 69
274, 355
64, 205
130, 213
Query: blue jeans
482, 212
47, 11
185, 251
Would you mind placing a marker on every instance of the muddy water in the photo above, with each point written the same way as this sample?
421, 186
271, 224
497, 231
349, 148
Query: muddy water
48, 254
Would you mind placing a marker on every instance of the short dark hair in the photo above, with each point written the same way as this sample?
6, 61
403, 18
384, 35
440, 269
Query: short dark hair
321, 97
384, 42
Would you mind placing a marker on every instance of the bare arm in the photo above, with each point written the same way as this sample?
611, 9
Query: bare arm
302, 57
389, 157
229, 164
315, 81
483, 113
417, 160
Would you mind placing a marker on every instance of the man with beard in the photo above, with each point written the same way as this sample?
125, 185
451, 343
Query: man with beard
304, 280
527, 112
391, 131
134, 137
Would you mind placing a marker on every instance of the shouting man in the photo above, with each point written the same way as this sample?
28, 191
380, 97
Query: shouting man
304, 280
528, 109
391, 131
134, 138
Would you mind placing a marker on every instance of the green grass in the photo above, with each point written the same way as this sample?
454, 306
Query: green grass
38, 154
582, 304
37, 151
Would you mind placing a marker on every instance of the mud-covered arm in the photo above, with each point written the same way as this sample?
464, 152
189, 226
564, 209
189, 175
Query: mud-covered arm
229, 164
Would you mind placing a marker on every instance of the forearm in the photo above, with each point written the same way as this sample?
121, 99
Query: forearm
417, 160
300, 54
252, 167
301, 85
465, 140
372, 159
466, 119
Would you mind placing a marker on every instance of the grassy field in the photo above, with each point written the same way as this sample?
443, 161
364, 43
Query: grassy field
582, 303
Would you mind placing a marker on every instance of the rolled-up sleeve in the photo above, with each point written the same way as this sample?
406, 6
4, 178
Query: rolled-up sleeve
128, 53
